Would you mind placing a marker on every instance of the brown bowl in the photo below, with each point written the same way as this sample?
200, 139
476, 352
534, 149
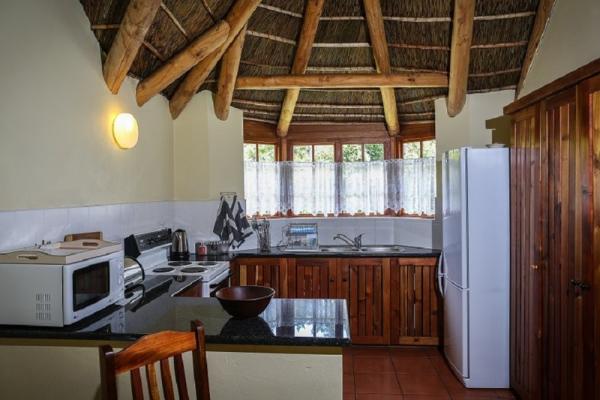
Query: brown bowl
245, 301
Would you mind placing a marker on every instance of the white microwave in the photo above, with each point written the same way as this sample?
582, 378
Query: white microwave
59, 295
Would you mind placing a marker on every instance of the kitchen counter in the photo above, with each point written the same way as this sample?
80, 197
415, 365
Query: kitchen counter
406, 252
285, 322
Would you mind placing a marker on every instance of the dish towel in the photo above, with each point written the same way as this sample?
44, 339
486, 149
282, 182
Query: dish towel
231, 224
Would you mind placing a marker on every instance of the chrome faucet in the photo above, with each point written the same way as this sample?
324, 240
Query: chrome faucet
355, 243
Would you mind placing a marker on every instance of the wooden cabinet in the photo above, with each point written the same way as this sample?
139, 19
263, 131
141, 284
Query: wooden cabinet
194, 290
414, 312
267, 271
390, 300
555, 245
365, 283
311, 278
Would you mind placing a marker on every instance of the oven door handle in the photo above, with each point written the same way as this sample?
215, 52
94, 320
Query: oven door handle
220, 279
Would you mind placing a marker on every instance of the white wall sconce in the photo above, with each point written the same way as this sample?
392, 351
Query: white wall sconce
125, 131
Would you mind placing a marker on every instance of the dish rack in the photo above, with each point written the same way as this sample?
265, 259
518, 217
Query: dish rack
302, 236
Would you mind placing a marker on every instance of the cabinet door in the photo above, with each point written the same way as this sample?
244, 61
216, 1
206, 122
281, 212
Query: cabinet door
587, 267
414, 301
527, 216
270, 272
365, 284
312, 278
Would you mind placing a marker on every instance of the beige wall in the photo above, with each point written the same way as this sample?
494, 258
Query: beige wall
56, 146
571, 40
208, 151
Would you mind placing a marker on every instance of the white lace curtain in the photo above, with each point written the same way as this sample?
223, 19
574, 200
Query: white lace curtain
376, 187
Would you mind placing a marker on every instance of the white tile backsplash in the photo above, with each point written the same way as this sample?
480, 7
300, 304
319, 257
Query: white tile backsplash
26, 227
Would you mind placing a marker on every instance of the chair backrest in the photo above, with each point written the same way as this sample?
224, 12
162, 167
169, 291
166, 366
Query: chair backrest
152, 349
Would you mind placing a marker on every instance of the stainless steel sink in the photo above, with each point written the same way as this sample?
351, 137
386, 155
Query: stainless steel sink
338, 249
383, 249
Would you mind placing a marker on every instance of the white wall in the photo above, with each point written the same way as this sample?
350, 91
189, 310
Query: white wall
56, 146
571, 40
208, 151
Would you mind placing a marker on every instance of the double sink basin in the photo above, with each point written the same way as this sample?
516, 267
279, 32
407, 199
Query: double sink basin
351, 249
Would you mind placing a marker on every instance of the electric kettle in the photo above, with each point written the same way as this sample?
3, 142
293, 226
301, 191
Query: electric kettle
179, 246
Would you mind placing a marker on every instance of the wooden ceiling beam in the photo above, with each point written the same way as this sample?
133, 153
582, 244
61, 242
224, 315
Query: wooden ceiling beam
460, 51
230, 66
136, 22
237, 18
382, 62
312, 13
539, 26
337, 81
182, 62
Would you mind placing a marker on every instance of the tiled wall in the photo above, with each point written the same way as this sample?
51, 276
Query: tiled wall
24, 228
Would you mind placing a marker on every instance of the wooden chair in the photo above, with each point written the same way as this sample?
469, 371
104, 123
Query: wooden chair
147, 351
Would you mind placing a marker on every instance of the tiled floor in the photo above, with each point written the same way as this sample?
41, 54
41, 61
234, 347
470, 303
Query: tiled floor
405, 373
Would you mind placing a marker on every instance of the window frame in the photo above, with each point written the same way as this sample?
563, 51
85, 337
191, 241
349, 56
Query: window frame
258, 142
412, 140
337, 146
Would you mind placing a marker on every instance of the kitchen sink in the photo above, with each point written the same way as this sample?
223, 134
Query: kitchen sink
338, 249
363, 249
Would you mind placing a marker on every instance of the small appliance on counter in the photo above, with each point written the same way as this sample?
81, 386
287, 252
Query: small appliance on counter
302, 237
151, 251
179, 246
60, 283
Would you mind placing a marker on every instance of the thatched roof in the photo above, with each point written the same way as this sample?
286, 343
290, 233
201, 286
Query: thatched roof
418, 33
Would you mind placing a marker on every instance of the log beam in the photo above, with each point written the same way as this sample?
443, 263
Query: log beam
341, 81
312, 13
539, 26
460, 50
127, 42
382, 62
182, 62
230, 65
237, 18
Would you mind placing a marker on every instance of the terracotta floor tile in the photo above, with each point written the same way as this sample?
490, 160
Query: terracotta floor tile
349, 396
438, 362
372, 365
348, 381
429, 384
348, 363
409, 352
425, 397
505, 394
379, 397
413, 365
370, 351
377, 383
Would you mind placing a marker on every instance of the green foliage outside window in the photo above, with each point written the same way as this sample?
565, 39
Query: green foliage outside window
429, 148
324, 153
249, 152
351, 152
411, 150
303, 153
374, 152
266, 152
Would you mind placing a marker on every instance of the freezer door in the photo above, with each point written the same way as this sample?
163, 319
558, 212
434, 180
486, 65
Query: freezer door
456, 329
454, 200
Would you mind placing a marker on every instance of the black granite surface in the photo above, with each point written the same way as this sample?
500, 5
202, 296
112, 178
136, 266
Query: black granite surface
295, 322
406, 251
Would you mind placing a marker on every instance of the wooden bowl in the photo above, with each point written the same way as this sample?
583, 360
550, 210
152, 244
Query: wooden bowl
245, 301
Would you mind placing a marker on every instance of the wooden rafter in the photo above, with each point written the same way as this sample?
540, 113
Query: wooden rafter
336, 81
228, 75
382, 62
312, 13
237, 18
130, 37
182, 62
462, 37
541, 20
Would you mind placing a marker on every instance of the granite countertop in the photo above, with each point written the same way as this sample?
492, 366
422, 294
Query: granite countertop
406, 251
289, 322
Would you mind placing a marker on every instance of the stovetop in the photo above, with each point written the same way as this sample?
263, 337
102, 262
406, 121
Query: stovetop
206, 269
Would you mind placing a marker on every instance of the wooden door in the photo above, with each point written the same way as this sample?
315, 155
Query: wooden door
414, 315
311, 278
527, 247
587, 270
365, 284
268, 271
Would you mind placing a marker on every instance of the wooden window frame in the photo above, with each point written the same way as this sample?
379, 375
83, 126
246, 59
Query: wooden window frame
256, 143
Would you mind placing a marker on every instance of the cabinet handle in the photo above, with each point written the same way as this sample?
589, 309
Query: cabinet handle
535, 266
579, 284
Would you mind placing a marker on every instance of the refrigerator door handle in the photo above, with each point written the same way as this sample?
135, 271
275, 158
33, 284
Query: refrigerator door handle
441, 275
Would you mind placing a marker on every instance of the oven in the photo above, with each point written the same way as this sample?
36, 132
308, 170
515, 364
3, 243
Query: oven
214, 285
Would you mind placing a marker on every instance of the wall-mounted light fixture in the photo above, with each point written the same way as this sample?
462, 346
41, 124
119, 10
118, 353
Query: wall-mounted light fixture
125, 131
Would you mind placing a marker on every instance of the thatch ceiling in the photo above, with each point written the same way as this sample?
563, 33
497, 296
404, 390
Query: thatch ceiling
418, 33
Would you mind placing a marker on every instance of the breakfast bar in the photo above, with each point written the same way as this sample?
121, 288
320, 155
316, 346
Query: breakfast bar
294, 345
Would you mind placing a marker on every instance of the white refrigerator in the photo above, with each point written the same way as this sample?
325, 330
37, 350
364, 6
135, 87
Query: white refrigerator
474, 273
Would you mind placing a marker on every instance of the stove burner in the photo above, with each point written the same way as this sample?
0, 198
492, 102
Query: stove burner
163, 269
191, 270
207, 263
178, 263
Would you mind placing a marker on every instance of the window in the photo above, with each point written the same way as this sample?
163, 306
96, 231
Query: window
349, 174
418, 149
260, 152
